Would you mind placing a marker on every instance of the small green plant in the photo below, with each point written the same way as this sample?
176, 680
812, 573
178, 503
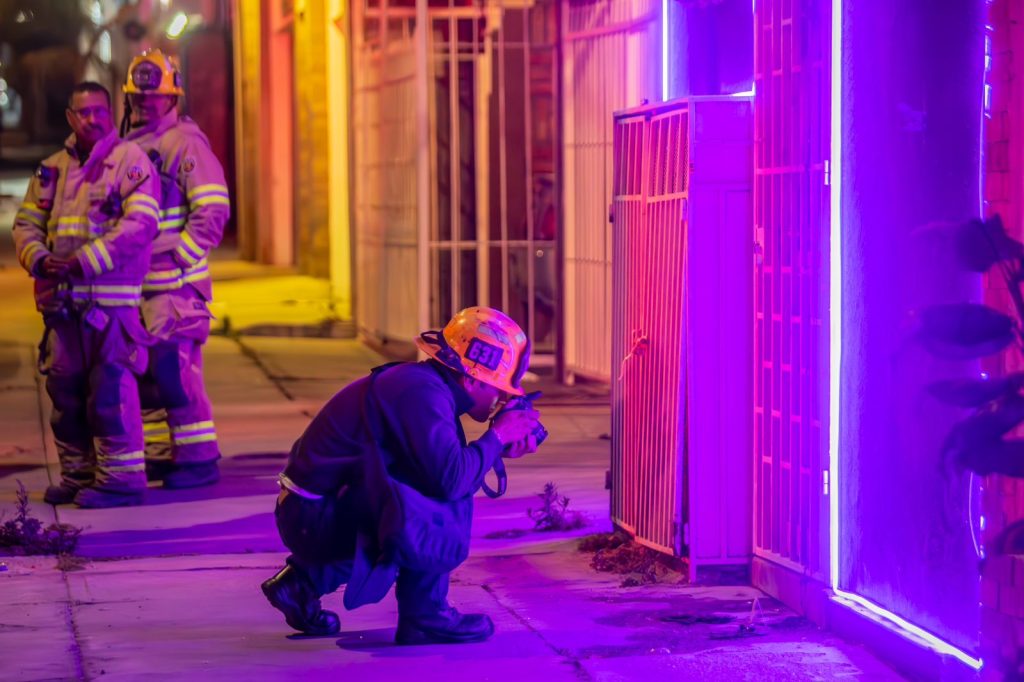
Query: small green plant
554, 514
25, 535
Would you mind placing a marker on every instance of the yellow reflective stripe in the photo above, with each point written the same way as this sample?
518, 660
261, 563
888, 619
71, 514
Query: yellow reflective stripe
72, 220
201, 438
174, 210
191, 243
125, 457
113, 302
87, 250
142, 208
155, 427
162, 275
36, 208
101, 247
213, 186
30, 250
125, 468
197, 426
114, 288
173, 223
72, 231
28, 217
213, 199
143, 198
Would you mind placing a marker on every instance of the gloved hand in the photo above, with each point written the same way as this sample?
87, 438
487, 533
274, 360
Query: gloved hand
54, 267
513, 427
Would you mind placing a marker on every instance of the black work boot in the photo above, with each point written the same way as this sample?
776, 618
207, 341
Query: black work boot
98, 498
195, 475
157, 469
64, 492
447, 626
290, 593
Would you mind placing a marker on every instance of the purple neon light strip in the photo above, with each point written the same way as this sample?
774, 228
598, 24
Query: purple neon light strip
835, 362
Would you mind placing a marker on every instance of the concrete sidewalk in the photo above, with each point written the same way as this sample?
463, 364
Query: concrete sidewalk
170, 590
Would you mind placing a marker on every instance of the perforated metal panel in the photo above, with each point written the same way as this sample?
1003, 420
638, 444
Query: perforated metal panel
791, 198
682, 324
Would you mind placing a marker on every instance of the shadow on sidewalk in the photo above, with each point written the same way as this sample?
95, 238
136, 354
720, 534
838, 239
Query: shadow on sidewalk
248, 534
240, 476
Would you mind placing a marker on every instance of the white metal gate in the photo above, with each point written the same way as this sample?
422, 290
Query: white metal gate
385, 188
456, 147
611, 60
683, 327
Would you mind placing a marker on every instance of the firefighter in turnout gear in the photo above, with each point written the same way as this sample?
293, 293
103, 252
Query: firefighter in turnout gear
84, 233
379, 488
181, 443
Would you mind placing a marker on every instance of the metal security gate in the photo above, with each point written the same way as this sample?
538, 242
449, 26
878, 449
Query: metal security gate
682, 323
611, 60
385, 187
474, 219
791, 198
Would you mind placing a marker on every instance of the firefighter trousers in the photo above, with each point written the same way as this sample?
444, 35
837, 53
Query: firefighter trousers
321, 535
176, 411
92, 358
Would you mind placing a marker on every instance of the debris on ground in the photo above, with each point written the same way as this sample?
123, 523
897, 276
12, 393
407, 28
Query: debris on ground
618, 553
694, 619
25, 535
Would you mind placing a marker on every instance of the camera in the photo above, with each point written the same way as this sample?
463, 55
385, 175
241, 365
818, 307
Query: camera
525, 402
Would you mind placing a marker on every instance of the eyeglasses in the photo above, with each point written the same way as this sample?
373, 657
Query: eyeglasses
91, 112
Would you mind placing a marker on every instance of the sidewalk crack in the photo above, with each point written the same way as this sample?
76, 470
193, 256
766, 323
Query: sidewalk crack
72, 625
581, 672
250, 353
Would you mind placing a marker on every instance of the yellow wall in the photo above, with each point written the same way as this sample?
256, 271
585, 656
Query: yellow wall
339, 131
321, 177
247, 80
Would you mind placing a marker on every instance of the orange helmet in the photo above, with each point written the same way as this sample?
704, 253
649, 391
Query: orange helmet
153, 73
482, 343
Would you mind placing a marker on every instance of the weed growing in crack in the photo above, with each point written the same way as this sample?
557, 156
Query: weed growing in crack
25, 535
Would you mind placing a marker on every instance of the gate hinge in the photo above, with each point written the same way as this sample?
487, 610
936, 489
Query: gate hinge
828, 173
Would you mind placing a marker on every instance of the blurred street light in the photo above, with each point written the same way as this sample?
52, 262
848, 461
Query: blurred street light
177, 26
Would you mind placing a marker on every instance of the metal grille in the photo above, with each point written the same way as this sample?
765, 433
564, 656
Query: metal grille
486, 198
649, 241
682, 328
791, 199
611, 61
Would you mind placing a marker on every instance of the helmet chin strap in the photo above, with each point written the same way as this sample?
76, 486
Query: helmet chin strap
445, 354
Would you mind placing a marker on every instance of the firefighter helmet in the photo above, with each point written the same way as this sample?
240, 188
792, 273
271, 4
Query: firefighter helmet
482, 343
153, 73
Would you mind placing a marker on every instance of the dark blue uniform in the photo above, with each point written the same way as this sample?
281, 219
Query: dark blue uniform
423, 443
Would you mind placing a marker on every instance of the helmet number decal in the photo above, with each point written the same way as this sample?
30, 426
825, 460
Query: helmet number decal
147, 76
484, 354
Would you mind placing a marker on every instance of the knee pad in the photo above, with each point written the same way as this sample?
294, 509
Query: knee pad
168, 370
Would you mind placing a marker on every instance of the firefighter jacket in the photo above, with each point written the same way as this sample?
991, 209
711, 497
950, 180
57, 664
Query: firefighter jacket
103, 212
194, 206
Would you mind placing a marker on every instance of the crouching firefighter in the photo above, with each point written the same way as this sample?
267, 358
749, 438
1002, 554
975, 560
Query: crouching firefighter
378, 490
84, 233
181, 442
